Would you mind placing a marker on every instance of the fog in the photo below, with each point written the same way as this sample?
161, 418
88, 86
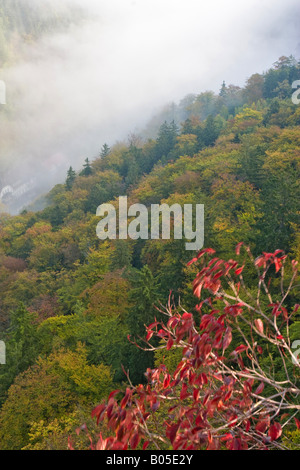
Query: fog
105, 78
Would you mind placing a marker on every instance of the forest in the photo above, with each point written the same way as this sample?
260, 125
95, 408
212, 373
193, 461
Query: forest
86, 321
24, 22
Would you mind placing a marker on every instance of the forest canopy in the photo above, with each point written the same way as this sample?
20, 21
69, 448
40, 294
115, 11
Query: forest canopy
69, 301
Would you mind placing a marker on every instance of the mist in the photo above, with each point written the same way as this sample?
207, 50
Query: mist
106, 77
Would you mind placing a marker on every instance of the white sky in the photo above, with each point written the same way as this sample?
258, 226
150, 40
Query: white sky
99, 82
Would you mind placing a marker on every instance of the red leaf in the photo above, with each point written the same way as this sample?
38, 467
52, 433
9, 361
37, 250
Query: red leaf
263, 424
277, 252
228, 395
275, 431
238, 248
285, 312
145, 445
227, 338
237, 444
171, 431
192, 261
70, 445
296, 308
112, 394
259, 389
206, 250
196, 394
227, 437
294, 265
184, 392
134, 441
239, 271
149, 335
259, 325
167, 381
297, 421
206, 398
232, 420
241, 349
277, 265
125, 399
98, 412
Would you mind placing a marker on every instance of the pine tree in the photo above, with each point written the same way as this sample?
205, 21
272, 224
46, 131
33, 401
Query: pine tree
122, 255
21, 347
105, 151
145, 296
87, 169
71, 176
223, 91
210, 132
166, 139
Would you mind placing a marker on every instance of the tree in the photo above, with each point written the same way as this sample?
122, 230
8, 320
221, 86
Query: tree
253, 90
280, 190
204, 105
143, 295
71, 176
105, 151
222, 92
223, 393
210, 131
122, 255
21, 347
87, 169
51, 389
285, 69
166, 139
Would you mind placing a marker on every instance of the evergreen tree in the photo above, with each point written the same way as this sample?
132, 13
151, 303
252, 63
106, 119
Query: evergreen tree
87, 169
210, 132
166, 139
21, 347
105, 151
122, 255
236, 139
71, 176
223, 90
144, 296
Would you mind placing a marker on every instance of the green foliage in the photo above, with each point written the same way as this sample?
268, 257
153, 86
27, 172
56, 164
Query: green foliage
144, 295
25, 21
50, 390
105, 151
21, 347
87, 169
237, 153
71, 176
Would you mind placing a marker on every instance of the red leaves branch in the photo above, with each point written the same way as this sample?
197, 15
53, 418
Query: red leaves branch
212, 399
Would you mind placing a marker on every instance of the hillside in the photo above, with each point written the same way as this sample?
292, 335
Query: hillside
24, 25
25, 21
69, 300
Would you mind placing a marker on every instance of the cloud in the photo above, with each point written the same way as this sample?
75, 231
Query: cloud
100, 80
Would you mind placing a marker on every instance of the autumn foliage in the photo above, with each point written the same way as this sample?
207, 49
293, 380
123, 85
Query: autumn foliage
224, 393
